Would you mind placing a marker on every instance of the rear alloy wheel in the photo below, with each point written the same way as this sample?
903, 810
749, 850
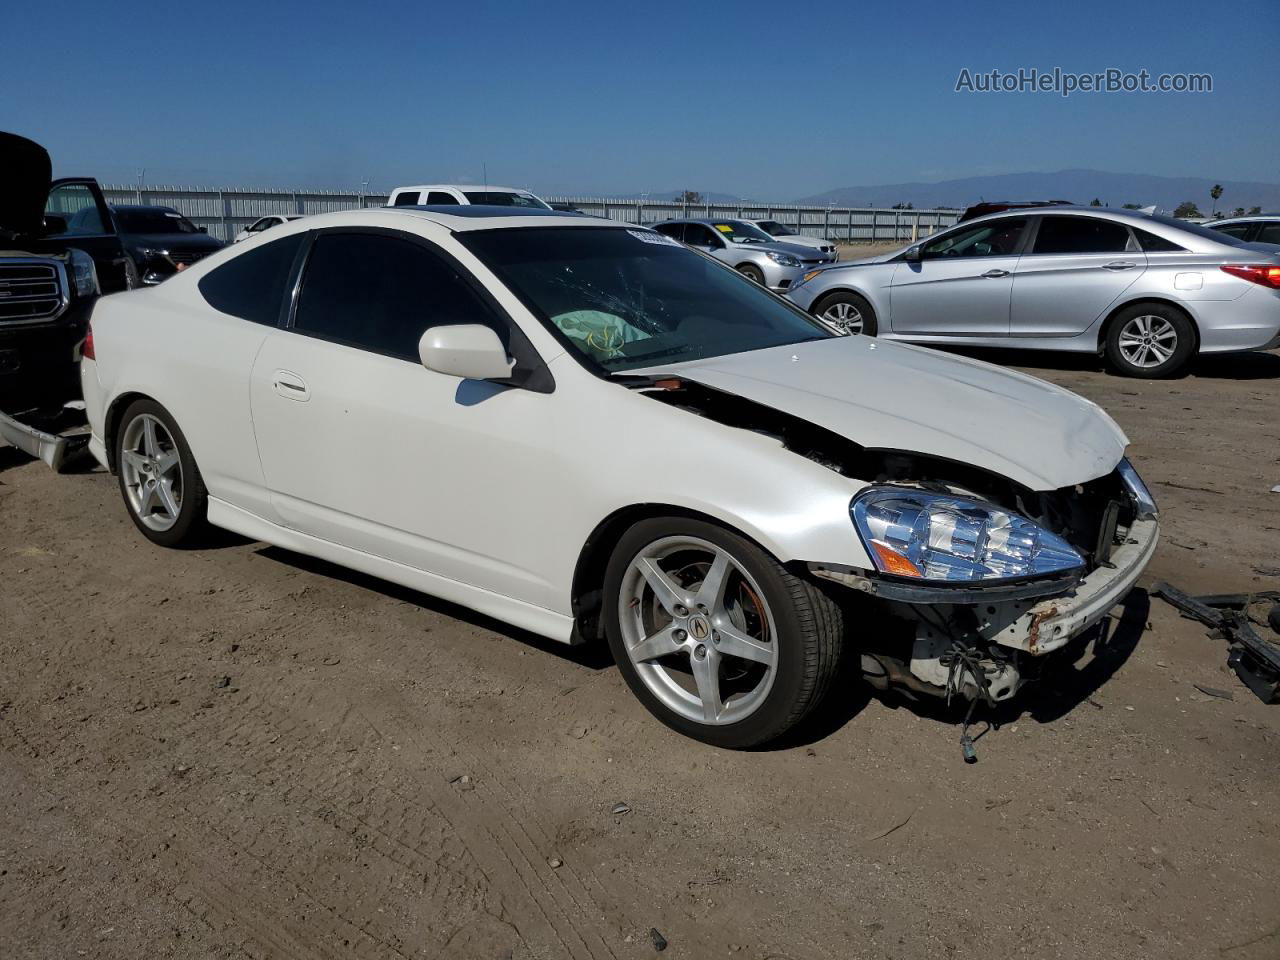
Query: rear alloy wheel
752, 272
715, 637
847, 312
1150, 341
159, 480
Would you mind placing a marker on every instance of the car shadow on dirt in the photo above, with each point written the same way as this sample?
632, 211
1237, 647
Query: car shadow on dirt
594, 656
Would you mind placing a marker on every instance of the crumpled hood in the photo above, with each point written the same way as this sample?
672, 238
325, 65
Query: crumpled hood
898, 397
24, 185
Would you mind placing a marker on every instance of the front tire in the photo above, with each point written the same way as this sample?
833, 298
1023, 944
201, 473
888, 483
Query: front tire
752, 272
715, 637
848, 312
159, 480
1150, 340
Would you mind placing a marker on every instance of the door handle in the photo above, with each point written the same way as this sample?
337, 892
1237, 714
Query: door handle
995, 274
290, 385
1119, 265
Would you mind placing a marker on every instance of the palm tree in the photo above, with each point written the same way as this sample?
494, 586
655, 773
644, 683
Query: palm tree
1216, 192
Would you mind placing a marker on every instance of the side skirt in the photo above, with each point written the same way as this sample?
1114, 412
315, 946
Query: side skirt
539, 620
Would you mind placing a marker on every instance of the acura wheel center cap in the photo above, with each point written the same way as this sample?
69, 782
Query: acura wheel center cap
699, 627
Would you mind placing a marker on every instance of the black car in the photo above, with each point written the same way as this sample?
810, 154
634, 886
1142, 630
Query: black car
161, 240
58, 251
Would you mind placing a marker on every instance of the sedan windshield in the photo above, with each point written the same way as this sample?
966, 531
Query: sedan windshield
740, 232
500, 198
774, 228
625, 299
154, 221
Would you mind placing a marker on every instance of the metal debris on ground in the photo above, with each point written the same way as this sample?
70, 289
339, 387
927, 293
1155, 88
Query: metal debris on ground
1255, 661
619, 809
659, 941
1214, 692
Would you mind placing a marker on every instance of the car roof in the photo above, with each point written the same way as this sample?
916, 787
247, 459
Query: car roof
1251, 218
463, 188
464, 218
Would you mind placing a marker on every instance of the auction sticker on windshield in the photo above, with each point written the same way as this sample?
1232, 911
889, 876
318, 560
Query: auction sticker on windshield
652, 236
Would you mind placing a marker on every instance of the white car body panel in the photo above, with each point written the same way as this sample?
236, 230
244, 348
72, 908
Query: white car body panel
485, 495
954, 407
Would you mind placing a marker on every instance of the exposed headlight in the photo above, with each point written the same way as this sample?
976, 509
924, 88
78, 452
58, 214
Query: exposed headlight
783, 259
1142, 498
927, 536
84, 275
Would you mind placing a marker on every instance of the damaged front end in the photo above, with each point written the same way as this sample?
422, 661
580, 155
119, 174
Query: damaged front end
971, 593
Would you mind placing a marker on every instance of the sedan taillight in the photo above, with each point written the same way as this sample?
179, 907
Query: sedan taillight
1261, 273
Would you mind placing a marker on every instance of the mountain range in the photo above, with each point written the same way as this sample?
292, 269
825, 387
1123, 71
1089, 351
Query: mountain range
1078, 186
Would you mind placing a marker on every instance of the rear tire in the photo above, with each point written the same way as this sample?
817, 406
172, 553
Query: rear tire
1150, 340
752, 272
159, 480
847, 311
734, 665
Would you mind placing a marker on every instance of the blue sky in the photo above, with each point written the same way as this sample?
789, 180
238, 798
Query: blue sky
765, 100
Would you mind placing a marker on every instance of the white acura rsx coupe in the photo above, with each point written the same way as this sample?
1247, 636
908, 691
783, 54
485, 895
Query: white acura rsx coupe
590, 431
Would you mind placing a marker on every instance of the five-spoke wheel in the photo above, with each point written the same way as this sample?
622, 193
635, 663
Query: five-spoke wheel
159, 480
847, 312
713, 635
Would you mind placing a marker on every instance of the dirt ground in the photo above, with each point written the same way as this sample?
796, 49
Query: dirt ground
239, 752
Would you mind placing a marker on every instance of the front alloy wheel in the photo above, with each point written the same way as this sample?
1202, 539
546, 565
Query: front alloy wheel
1150, 340
715, 637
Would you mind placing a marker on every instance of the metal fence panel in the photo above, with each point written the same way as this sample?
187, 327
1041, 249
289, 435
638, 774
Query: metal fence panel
225, 212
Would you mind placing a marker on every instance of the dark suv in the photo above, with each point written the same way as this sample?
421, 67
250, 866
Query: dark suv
59, 249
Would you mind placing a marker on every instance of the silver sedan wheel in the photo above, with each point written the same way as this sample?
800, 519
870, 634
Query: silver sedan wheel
698, 629
844, 316
152, 472
1148, 341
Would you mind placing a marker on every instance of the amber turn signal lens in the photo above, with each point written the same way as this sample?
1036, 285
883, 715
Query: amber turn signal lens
893, 562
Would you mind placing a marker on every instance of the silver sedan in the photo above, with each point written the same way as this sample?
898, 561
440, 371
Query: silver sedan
1147, 292
749, 250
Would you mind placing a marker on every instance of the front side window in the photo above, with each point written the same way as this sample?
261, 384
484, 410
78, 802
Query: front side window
673, 230
500, 198
406, 198
994, 238
1080, 235
155, 220
76, 204
381, 293
441, 198
251, 286
700, 235
627, 299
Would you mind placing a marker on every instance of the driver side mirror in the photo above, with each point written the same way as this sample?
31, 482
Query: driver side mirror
468, 350
912, 254
54, 224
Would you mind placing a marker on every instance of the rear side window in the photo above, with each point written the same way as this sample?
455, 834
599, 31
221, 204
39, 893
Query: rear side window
381, 293
251, 286
408, 198
1237, 230
438, 198
1080, 235
1153, 244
